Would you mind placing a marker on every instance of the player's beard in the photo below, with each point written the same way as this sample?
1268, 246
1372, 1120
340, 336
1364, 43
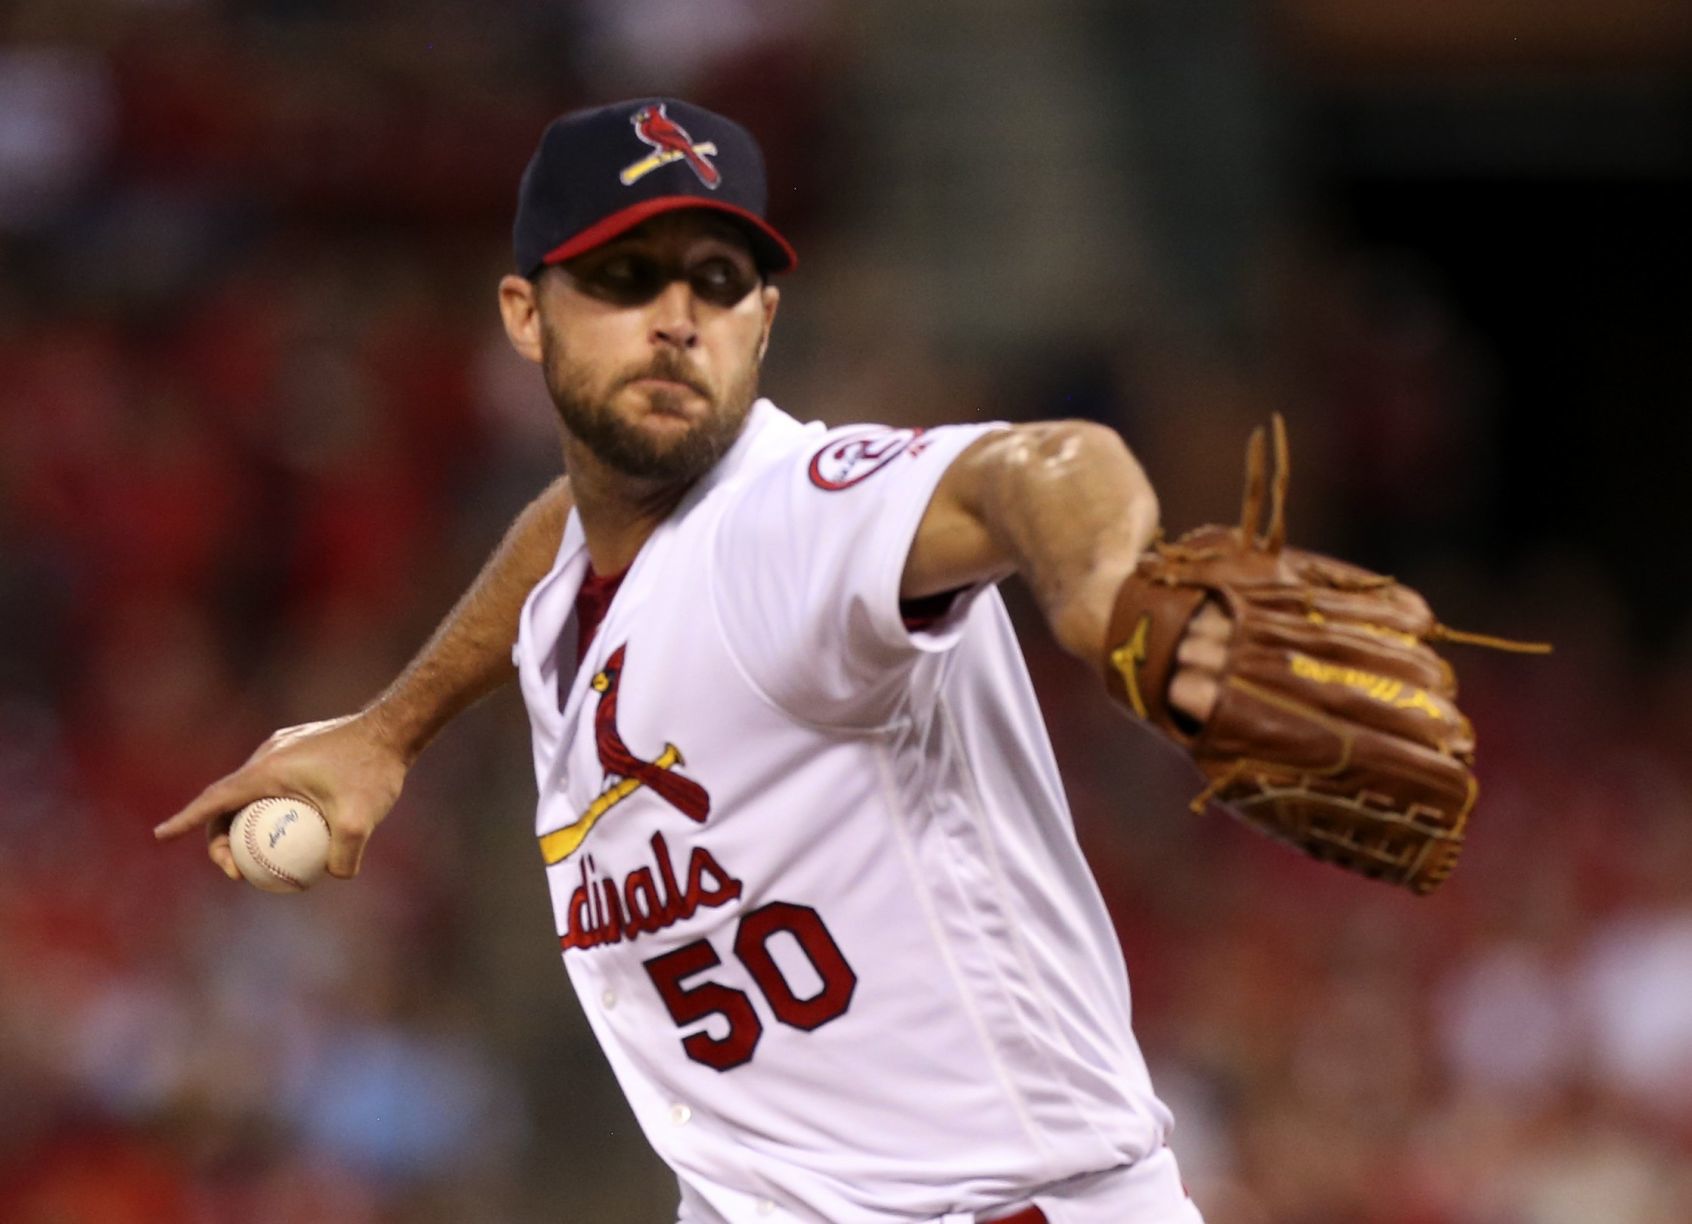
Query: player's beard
584, 405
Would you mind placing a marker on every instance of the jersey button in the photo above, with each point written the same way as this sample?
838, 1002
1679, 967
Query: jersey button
766, 1207
679, 1114
609, 998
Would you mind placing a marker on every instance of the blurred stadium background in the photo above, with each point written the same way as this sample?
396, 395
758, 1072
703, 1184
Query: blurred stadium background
258, 425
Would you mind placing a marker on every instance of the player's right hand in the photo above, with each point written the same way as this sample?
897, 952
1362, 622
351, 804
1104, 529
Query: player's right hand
344, 766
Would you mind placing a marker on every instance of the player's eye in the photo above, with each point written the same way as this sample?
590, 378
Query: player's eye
626, 279
721, 281
629, 278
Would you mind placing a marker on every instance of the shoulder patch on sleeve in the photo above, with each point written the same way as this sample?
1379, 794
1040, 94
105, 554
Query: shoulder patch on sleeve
855, 457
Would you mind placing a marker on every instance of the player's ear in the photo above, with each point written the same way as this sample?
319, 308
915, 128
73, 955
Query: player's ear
519, 307
771, 298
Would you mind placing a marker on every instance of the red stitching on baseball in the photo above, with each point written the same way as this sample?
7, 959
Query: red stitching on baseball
262, 859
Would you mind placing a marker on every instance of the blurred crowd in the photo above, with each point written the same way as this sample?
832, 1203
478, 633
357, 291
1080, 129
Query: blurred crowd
258, 426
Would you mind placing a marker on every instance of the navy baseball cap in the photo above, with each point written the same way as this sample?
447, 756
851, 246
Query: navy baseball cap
599, 173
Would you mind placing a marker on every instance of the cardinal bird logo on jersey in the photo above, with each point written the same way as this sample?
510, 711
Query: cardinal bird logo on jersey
670, 142
625, 772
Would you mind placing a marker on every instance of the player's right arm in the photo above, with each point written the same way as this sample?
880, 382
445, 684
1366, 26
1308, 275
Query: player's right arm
352, 768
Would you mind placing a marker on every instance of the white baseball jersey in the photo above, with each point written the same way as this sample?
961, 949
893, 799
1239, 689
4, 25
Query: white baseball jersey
814, 876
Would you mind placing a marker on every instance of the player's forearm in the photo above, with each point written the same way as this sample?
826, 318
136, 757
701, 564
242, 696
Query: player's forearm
469, 654
1073, 509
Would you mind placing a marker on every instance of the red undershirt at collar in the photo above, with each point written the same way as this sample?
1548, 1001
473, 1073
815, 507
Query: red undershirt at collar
592, 602
926, 611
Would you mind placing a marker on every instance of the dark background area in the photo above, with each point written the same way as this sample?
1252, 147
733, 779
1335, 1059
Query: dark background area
1580, 287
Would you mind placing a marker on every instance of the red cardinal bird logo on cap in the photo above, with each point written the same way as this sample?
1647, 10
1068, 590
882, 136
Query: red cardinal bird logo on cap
670, 142
625, 772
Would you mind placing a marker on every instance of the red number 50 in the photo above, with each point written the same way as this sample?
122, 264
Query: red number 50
688, 1004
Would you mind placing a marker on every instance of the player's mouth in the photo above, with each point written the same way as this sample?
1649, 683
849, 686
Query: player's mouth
670, 397
669, 375
665, 384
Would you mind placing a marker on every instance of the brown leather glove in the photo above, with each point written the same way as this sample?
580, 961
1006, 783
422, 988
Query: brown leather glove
1335, 727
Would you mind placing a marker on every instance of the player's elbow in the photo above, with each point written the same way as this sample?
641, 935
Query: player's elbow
1078, 458
1065, 444
1081, 514
1065, 441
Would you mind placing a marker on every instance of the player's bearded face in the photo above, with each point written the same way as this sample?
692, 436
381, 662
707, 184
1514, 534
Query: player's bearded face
611, 416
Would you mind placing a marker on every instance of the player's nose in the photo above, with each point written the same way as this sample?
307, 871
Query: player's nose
675, 319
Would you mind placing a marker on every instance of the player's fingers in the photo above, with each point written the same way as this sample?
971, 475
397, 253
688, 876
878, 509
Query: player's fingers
222, 797
1193, 694
217, 847
1203, 653
346, 847
1211, 622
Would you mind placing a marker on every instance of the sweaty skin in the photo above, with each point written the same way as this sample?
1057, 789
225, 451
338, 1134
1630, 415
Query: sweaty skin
1064, 504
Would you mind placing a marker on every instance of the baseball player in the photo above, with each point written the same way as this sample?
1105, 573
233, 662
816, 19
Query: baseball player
810, 862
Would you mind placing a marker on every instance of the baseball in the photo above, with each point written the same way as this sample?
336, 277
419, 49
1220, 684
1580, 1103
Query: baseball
280, 845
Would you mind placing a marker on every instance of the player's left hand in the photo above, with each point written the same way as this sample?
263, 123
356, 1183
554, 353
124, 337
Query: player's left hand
1200, 660
1305, 688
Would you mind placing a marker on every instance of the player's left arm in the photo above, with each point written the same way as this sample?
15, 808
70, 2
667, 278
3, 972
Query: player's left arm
1067, 506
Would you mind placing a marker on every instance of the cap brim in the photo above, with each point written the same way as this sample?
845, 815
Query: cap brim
774, 253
